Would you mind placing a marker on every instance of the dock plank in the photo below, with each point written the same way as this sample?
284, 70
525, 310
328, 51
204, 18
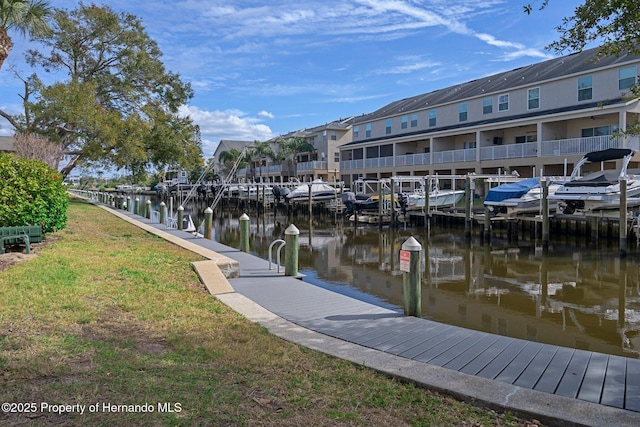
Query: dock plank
483, 359
502, 360
471, 353
632, 392
407, 337
614, 382
570, 383
552, 375
532, 373
459, 348
593, 381
445, 345
432, 342
520, 362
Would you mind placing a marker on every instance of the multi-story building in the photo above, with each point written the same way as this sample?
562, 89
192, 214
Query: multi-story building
321, 163
538, 119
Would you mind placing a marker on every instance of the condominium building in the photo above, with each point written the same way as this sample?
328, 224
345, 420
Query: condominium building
321, 163
538, 119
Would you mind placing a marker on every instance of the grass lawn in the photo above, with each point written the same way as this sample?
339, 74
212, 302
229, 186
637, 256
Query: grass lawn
113, 320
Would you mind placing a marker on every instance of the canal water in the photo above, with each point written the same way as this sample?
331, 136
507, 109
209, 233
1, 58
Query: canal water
579, 295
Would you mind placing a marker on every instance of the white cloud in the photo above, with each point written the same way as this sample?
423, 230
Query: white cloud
265, 114
228, 124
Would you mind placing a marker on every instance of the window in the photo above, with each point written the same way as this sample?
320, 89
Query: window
585, 88
599, 131
533, 98
487, 106
387, 128
404, 122
356, 131
526, 138
503, 102
372, 152
333, 136
414, 120
336, 157
626, 77
462, 111
469, 145
367, 130
433, 115
386, 150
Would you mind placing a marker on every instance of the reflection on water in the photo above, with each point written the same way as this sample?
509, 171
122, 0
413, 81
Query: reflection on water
577, 296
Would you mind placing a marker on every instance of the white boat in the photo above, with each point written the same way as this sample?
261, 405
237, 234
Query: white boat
518, 198
320, 191
600, 190
437, 198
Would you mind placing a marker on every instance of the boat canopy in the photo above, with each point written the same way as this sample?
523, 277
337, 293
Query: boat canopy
511, 190
608, 154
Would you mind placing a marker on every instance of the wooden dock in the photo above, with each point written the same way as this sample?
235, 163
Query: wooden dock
590, 376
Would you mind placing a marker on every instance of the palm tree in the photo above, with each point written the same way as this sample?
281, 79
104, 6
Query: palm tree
290, 148
24, 16
261, 150
228, 158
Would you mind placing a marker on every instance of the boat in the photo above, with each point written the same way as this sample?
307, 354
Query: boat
521, 197
437, 197
598, 191
320, 191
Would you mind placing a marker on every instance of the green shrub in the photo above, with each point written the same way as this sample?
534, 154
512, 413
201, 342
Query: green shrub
31, 193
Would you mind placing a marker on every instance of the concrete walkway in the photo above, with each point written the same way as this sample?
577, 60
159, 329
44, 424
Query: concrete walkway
405, 347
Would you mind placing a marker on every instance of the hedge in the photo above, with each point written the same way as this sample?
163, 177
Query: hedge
32, 193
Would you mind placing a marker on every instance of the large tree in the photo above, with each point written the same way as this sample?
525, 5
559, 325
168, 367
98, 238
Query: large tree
612, 25
118, 106
25, 17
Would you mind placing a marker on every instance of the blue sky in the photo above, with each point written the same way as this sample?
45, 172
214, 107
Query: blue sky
264, 68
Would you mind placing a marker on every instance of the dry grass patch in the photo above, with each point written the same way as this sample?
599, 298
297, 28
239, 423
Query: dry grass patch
110, 314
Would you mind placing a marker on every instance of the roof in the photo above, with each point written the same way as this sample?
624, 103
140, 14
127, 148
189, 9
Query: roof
501, 82
340, 124
229, 144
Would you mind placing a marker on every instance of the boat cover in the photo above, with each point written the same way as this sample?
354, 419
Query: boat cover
511, 190
608, 154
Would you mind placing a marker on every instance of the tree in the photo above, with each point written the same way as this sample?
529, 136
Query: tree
24, 16
613, 25
38, 147
290, 148
261, 150
228, 158
119, 106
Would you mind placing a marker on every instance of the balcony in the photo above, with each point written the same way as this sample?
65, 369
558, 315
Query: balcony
510, 151
554, 148
310, 166
565, 147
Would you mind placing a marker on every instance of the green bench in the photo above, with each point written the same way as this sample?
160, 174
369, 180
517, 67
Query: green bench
26, 235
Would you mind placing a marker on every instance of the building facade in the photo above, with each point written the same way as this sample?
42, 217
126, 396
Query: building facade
321, 163
539, 119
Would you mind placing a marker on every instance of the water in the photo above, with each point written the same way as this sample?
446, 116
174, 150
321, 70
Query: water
578, 295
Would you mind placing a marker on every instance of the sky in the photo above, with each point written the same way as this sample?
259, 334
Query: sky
260, 69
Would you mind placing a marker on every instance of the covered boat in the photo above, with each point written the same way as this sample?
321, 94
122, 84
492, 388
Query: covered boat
599, 190
320, 190
519, 197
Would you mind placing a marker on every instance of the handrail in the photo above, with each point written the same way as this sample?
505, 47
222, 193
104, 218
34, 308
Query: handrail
282, 243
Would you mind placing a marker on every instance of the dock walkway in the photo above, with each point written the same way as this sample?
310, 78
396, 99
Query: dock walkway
559, 386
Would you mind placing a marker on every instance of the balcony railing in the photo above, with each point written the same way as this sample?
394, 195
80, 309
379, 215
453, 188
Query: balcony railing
510, 151
307, 166
565, 147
